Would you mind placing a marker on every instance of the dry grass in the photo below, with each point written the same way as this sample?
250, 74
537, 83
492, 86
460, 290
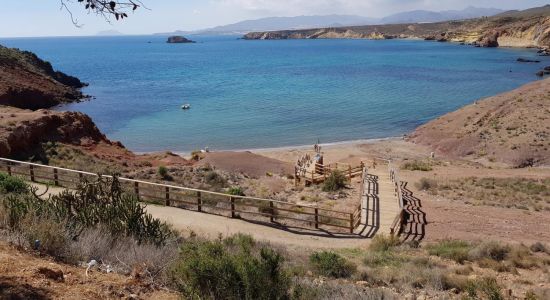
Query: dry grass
519, 193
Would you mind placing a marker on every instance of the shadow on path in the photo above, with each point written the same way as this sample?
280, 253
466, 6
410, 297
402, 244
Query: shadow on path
371, 207
414, 228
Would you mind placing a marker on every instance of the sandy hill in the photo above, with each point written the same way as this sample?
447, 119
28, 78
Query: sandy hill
27, 81
512, 128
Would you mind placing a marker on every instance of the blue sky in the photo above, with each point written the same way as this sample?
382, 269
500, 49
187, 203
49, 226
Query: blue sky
45, 18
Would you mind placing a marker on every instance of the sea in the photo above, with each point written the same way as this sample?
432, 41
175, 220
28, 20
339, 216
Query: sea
273, 93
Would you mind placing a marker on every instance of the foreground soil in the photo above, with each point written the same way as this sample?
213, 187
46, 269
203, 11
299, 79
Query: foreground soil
26, 276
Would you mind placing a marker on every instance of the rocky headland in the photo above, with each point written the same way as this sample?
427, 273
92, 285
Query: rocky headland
29, 82
529, 28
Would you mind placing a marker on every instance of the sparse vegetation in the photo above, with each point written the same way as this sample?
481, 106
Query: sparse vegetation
331, 264
334, 182
520, 193
426, 184
451, 249
235, 191
416, 166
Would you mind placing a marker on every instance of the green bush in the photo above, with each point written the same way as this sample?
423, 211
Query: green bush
101, 203
233, 268
163, 172
451, 249
334, 182
416, 166
11, 184
235, 191
331, 264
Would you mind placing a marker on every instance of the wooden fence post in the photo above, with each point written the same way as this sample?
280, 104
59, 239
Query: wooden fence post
167, 192
351, 223
272, 210
199, 201
232, 207
9, 170
316, 218
31, 170
136, 188
55, 177
349, 171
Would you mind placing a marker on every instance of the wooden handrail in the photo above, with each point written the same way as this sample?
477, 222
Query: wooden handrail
145, 189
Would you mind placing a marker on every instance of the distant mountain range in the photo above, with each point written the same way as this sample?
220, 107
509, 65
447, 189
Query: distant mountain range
305, 22
424, 16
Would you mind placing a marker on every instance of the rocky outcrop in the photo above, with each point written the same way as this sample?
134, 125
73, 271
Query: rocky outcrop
515, 29
29, 82
23, 131
511, 128
178, 39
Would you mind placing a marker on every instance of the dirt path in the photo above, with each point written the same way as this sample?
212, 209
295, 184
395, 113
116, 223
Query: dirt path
212, 226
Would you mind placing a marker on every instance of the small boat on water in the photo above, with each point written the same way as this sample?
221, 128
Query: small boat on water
186, 106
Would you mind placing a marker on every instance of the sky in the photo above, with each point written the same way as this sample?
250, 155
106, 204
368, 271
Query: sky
35, 18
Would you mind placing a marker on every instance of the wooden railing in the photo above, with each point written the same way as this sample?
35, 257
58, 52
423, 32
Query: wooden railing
399, 220
281, 212
321, 172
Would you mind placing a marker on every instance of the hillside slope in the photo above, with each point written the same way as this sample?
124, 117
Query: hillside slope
512, 128
513, 29
29, 82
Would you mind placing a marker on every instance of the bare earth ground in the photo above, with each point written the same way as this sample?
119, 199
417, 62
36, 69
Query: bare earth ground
446, 218
27, 276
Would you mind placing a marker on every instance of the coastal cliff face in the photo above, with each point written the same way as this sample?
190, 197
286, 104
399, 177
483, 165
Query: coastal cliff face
511, 128
23, 131
520, 29
29, 82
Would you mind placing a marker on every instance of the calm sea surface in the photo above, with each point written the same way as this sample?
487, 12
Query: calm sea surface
258, 94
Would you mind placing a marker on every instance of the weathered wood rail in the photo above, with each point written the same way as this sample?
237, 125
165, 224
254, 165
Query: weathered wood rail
244, 207
321, 172
400, 219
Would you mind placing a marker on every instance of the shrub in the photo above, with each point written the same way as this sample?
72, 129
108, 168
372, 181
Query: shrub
213, 178
101, 203
163, 172
451, 249
416, 166
331, 264
11, 184
485, 288
490, 250
538, 247
334, 182
235, 191
383, 243
234, 268
426, 184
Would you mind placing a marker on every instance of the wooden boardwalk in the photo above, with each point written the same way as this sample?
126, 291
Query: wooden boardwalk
379, 203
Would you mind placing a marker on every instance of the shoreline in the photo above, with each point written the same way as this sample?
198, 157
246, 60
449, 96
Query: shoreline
331, 145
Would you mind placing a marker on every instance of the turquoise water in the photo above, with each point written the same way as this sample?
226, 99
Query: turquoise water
259, 94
